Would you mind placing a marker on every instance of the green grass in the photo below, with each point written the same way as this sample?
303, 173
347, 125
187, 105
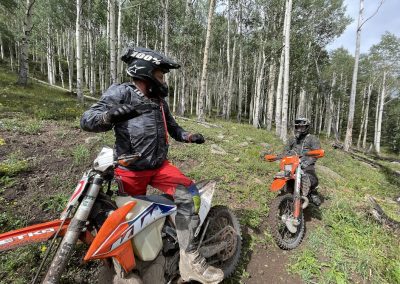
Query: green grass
35, 100
13, 165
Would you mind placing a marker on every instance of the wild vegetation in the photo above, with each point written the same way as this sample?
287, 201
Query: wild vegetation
43, 154
264, 62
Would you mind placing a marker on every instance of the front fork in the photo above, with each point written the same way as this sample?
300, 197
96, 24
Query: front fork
75, 228
296, 194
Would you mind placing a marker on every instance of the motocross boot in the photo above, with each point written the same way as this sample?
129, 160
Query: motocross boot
192, 265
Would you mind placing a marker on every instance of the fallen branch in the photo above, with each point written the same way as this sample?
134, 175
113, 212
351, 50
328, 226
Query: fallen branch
61, 88
380, 216
206, 124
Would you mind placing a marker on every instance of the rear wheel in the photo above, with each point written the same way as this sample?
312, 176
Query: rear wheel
224, 227
282, 208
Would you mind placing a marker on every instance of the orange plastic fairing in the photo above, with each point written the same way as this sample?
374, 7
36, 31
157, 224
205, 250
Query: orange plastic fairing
319, 153
32, 234
109, 233
270, 158
277, 184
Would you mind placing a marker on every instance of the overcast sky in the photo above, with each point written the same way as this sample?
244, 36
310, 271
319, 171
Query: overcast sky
387, 19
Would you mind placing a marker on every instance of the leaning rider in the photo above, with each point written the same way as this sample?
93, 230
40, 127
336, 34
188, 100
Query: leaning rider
139, 114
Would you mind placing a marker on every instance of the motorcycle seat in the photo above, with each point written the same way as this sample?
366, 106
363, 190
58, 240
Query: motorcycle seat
163, 199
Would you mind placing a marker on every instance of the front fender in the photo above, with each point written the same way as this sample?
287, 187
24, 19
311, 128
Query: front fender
278, 184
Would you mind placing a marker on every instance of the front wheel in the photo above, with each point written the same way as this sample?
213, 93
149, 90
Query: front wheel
280, 220
223, 227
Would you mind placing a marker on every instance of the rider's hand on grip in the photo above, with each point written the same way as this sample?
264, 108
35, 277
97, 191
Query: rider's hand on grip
197, 138
125, 112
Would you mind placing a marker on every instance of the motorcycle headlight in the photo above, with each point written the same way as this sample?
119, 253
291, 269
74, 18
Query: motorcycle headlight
288, 168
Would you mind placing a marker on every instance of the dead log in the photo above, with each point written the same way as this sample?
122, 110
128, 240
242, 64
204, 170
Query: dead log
381, 217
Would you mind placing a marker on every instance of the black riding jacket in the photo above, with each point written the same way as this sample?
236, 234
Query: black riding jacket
302, 145
145, 134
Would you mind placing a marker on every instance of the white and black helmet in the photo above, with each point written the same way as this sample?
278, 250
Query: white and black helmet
301, 126
141, 65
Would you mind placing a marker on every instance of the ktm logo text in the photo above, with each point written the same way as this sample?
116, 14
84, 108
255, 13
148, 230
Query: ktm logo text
25, 236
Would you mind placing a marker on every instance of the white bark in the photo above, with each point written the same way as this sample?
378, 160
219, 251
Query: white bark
50, 70
1, 48
278, 106
240, 91
230, 86
79, 70
285, 95
271, 84
329, 107
203, 82
350, 119
113, 65
258, 91
60, 71
380, 113
24, 49
364, 143
119, 41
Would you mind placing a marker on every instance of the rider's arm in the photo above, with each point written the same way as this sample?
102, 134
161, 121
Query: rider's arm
93, 119
312, 144
289, 146
176, 132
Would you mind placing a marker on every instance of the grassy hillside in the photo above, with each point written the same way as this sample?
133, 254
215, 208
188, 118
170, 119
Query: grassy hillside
43, 154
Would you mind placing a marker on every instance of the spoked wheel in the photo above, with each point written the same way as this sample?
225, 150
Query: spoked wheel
286, 235
223, 234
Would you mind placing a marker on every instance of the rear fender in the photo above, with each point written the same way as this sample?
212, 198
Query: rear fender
278, 184
32, 234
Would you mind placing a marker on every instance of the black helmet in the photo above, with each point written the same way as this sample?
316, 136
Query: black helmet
301, 126
141, 65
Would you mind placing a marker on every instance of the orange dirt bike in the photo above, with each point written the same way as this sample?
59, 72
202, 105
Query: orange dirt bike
132, 235
286, 218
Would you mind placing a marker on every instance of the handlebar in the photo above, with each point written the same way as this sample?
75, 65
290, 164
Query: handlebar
318, 153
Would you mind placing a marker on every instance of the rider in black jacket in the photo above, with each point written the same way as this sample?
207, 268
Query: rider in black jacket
302, 142
140, 117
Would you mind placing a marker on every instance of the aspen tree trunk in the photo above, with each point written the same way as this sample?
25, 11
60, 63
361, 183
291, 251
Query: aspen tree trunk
183, 96
257, 100
138, 28
364, 143
362, 118
338, 119
113, 65
1, 48
79, 70
166, 25
92, 84
230, 86
350, 119
285, 95
200, 116
380, 113
50, 70
24, 50
175, 92
240, 98
278, 106
329, 108
271, 88
119, 41
60, 71
301, 111
11, 58
70, 60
